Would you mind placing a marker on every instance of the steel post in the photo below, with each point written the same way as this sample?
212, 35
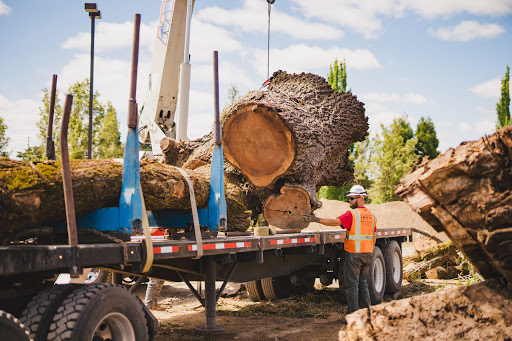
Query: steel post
210, 295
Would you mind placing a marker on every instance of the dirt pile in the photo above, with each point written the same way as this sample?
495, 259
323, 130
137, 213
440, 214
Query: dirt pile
481, 311
390, 214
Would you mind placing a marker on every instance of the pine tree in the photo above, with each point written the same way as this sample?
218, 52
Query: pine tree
233, 94
393, 157
503, 106
4, 140
427, 138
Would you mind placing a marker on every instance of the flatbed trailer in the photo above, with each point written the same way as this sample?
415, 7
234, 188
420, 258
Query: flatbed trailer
272, 267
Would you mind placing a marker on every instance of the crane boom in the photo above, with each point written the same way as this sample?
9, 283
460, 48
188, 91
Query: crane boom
169, 78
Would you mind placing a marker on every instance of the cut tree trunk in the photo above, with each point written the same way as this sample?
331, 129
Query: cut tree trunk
281, 145
420, 268
467, 193
32, 194
440, 272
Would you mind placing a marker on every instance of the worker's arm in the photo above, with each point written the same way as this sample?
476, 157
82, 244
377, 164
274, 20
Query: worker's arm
324, 221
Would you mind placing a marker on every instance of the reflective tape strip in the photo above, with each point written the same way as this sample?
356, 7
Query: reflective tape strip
220, 246
165, 249
356, 238
292, 241
358, 231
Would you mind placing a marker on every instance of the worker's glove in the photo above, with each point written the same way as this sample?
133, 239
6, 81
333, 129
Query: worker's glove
311, 218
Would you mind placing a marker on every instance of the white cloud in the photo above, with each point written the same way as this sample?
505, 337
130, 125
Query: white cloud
409, 98
253, 17
451, 133
489, 89
467, 30
436, 8
4, 9
205, 38
112, 36
304, 58
21, 117
365, 16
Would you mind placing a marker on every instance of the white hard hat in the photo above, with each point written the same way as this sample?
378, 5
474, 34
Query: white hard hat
357, 190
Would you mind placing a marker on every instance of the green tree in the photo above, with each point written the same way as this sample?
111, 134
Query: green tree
108, 139
427, 138
503, 106
4, 140
233, 94
392, 158
337, 77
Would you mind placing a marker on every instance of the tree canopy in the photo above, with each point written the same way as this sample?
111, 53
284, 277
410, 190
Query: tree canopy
503, 106
4, 140
427, 138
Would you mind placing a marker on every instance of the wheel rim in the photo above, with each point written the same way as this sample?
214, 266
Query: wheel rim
114, 326
92, 275
378, 275
396, 267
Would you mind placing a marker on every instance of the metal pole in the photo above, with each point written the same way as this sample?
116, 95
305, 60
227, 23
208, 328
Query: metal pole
217, 131
132, 102
50, 146
210, 295
91, 90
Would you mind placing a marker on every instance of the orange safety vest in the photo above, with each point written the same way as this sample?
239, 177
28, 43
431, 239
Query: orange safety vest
359, 238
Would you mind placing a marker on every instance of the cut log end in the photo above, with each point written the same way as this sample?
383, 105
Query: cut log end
287, 209
258, 143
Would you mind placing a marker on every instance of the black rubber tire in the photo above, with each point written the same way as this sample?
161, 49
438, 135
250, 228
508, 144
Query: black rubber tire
255, 290
79, 316
12, 329
103, 276
394, 267
276, 288
376, 275
309, 284
38, 314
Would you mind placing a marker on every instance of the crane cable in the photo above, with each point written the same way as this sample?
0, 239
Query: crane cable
270, 2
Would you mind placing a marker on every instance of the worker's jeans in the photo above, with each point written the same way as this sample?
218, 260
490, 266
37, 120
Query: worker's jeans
152, 291
355, 275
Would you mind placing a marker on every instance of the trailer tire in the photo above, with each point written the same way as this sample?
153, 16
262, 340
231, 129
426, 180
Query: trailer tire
12, 329
105, 311
255, 291
38, 314
97, 275
276, 288
394, 267
377, 276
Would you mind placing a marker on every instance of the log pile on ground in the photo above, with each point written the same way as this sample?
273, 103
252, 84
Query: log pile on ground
280, 146
441, 261
481, 311
466, 192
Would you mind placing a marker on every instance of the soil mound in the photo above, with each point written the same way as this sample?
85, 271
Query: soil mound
481, 311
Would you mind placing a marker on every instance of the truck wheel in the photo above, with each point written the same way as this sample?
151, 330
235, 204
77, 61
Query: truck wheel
12, 329
99, 312
309, 284
255, 290
38, 314
276, 288
377, 277
394, 267
97, 275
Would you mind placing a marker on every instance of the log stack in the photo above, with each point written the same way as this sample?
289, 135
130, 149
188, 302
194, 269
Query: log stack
467, 193
280, 146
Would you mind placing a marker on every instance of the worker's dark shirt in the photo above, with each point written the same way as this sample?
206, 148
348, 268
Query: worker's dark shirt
346, 221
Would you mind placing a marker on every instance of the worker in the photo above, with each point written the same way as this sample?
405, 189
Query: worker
152, 293
361, 226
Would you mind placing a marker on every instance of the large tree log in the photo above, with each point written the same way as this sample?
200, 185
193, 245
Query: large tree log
32, 194
287, 141
467, 192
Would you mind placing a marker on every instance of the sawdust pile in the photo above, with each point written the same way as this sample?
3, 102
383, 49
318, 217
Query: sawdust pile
481, 311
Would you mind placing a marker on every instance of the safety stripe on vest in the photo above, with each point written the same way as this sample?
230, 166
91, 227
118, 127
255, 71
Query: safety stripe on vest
358, 231
362, 237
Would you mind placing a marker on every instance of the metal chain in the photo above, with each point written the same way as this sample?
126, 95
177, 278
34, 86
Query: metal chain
114, 239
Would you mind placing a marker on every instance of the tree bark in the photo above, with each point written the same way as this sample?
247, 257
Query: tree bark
292, 138
32, 194
466, 192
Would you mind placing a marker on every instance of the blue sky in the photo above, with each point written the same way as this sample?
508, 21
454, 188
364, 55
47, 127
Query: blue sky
439, 58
